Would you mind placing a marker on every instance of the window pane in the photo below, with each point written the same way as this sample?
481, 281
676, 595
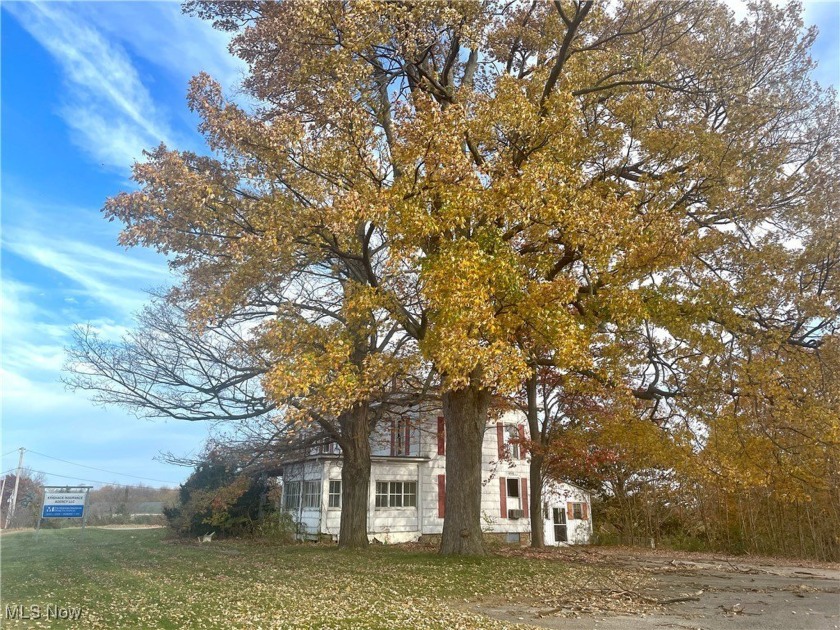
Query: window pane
335, 494
396, 495
291, 493
312, 494
513, 487
399, 437
410, 494
381, 494
577, 510
513, 436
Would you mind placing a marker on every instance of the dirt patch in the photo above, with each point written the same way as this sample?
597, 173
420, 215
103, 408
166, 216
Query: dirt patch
696, 591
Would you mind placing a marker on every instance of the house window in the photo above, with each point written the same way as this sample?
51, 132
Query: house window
335, 494
311, 494
512, 438
394, 494
291, 495
513, 487
578, 511
400, 437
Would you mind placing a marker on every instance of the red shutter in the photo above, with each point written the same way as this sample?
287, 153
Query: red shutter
585, 509
500, 435
524, 494
503, 495
521, 428
407, 449
441, 495
441, 436
570, 510
393, 439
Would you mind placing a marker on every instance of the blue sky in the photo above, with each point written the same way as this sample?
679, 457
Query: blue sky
85, 88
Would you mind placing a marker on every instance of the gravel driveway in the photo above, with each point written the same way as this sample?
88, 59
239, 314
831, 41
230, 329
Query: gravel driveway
690, 591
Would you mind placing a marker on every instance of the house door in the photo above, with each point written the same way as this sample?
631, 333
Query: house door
559, 525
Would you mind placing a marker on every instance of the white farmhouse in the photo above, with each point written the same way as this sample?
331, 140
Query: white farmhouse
408, 481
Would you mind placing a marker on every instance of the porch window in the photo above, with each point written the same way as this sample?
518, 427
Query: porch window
291, 495
335, 494
312, 494
396, 494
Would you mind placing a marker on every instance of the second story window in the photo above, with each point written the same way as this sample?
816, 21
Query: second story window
512, 440
400, 437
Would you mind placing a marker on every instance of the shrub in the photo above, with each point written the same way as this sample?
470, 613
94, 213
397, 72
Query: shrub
218, 497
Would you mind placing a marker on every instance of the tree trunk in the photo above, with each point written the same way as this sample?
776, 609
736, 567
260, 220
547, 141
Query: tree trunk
535, 500
465, 414
355, 478
536, 466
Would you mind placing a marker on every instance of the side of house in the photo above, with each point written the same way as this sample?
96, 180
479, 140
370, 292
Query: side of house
408, 485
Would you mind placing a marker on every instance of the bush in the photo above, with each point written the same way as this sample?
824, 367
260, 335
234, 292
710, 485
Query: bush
218, 497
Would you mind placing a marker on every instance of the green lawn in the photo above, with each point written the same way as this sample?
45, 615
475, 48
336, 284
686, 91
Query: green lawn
143, 579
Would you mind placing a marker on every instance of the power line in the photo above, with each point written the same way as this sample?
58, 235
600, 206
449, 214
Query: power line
107, 483
14, 450
112, 472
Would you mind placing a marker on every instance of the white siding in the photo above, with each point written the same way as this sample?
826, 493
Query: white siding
423, 465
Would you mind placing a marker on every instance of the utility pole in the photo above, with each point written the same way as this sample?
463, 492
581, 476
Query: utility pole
13, 502
3, 494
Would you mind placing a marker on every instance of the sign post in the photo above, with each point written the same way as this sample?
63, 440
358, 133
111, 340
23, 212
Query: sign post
65, 502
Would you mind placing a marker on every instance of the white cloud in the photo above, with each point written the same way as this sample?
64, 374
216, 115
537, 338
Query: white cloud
32, 341
110, 278
110, 110
160, 33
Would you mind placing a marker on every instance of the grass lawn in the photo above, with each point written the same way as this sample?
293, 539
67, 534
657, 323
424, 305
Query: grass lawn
143, 579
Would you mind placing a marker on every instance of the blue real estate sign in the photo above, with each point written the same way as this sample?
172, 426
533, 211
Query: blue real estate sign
64, 505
